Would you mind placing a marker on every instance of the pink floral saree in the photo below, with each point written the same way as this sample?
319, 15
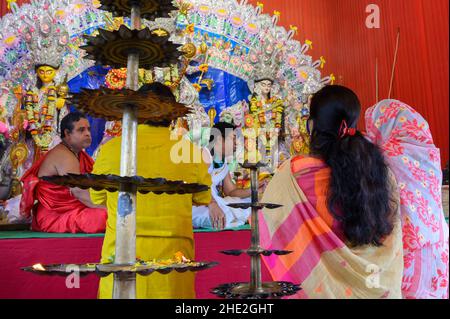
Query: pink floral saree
405, 139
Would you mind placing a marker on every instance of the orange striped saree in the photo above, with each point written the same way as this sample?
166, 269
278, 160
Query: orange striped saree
321, 261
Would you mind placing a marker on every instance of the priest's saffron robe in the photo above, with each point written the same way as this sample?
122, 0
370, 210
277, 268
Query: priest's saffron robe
53, 207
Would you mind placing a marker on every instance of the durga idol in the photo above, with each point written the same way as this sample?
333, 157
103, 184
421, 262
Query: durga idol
45, 103
266, 112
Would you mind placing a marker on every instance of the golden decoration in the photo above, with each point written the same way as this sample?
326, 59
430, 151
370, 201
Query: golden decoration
208, 82
184, 7
189, 50
203, 48
18, 155
160, 32
212, 113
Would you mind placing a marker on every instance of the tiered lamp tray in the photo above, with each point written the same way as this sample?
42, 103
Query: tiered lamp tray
256, 252
132, 48
114, 183
103, 270
255, 289
109, 104
113, 47
244, 290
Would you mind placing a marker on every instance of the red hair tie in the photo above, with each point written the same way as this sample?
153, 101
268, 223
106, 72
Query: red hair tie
344, 130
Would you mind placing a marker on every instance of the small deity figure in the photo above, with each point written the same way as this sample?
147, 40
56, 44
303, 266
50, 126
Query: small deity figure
265, 114
297, 135
265, 117
45, 103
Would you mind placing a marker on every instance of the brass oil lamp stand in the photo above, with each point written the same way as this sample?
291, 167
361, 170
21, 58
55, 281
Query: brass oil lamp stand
132, 48
255, 289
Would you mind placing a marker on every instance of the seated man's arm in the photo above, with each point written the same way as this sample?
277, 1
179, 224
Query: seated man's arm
70, 165
83, 196
64, 162
230, 189
205, 199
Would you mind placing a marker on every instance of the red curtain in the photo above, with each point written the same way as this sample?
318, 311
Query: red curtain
339, 33
4, 6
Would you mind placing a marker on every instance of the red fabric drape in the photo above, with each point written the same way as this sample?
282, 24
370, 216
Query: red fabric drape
338, 31
18, 253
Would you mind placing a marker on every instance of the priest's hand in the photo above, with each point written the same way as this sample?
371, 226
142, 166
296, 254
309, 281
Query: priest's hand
217, 216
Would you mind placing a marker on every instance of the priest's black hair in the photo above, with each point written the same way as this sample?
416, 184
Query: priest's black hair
68, 120
163, 91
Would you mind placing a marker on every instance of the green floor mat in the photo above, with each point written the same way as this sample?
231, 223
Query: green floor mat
26, 234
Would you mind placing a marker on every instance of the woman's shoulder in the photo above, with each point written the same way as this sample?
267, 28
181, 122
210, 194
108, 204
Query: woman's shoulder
306, 162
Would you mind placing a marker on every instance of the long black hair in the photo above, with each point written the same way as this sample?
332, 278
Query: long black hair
359, 194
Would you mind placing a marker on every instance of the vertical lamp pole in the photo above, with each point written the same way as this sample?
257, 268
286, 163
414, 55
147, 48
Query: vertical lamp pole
255, 275
125, 285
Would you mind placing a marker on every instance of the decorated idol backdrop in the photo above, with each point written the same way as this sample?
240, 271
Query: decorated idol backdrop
227, 91
237, 65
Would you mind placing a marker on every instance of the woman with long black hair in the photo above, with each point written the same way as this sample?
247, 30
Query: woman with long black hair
340, 210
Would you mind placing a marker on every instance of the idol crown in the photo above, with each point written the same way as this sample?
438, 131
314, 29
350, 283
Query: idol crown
47, 44
266, 64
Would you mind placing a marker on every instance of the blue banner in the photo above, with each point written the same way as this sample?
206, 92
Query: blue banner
226, 91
